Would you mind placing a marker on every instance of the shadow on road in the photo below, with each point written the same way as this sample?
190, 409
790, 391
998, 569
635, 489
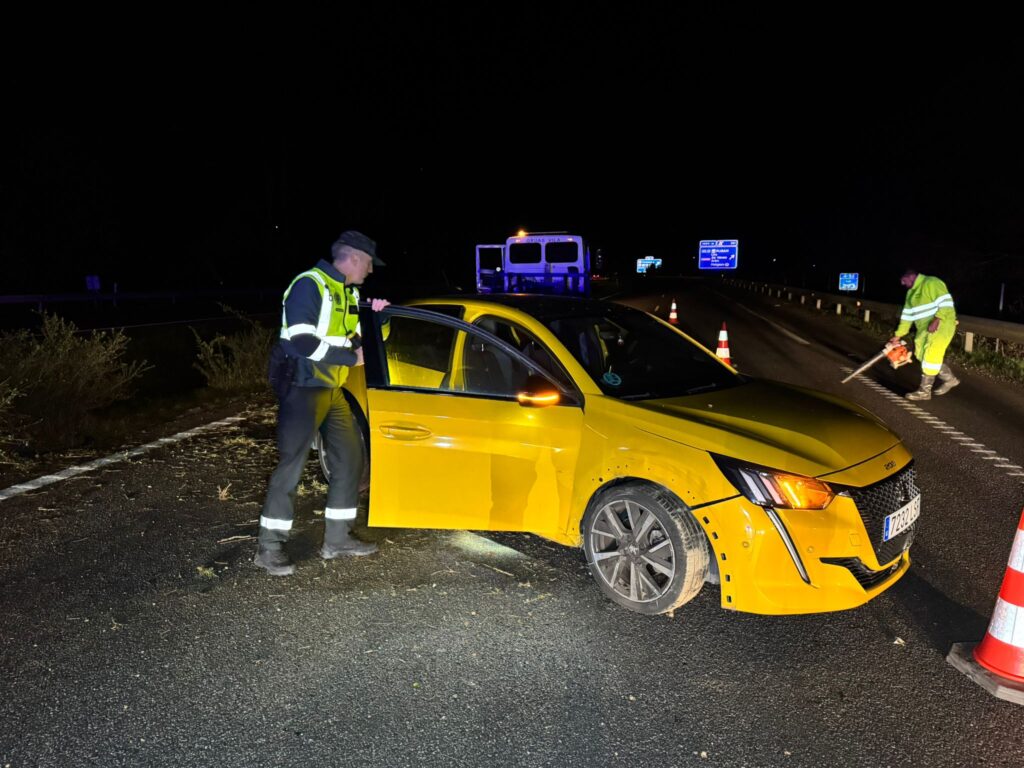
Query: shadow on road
942, 620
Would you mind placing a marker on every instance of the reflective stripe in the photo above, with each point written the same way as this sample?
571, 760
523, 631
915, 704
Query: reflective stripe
274, 524
924, 310
931, 369
1007, 624
289, 331
320, 352
1017, 553
326, 306
338, 341
335, 513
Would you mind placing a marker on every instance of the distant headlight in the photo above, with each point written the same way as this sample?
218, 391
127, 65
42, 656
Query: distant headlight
772, 488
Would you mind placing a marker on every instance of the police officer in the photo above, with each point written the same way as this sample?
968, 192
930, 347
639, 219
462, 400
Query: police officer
929, 308
320, 341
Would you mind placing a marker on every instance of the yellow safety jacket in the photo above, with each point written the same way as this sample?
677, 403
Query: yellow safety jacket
330, 315
927, 299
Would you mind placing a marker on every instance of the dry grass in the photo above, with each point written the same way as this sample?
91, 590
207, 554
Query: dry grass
236, 362
60, 376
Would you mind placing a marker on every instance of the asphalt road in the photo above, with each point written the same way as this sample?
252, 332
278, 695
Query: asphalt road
135, 631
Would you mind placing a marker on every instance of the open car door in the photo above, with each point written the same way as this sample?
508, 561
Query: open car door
465, 431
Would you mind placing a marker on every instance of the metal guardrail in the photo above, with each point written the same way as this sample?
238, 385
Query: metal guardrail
969, 326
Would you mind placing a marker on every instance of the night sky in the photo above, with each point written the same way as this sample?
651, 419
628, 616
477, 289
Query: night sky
198, 150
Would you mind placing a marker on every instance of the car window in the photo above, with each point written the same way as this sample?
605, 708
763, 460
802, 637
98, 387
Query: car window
418, 352
426, 354
529, 345
632, 356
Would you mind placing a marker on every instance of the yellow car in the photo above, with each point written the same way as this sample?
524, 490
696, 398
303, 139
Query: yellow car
597, 425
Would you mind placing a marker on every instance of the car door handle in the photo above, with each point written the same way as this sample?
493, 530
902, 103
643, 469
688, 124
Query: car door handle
404, 431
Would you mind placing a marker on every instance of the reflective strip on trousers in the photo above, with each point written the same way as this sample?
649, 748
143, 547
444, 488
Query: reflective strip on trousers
335, 513
274, 524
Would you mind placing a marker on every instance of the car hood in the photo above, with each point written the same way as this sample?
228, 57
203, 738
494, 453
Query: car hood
776, 425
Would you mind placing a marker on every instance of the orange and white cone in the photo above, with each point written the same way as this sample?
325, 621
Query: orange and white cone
672, 316
1002, 649
997, 662
723, 346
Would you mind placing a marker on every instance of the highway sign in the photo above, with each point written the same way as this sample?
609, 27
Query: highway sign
849, 281
718, 254
647, 262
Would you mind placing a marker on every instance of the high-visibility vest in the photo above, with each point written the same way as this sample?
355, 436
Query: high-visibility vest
336, 326
927, 298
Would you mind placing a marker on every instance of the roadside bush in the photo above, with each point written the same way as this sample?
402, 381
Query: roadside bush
238, 361
61, 376
7, 395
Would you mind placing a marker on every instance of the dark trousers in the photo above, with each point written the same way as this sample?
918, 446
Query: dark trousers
302, 412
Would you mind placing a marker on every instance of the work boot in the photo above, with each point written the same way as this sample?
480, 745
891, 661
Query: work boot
948, 379
274, 561
339, 542
924, 392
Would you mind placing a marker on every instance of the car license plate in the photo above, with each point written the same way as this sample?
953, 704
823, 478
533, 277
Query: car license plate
901, 519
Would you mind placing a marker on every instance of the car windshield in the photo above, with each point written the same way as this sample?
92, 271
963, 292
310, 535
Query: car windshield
632, 356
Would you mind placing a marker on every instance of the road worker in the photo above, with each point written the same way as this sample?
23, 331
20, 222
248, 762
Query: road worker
929, 308
320, 341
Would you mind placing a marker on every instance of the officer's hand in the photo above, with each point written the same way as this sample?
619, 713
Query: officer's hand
894, 340
379, 304
933, 326
359, 357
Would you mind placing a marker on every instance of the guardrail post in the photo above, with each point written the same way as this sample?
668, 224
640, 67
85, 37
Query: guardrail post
968, 342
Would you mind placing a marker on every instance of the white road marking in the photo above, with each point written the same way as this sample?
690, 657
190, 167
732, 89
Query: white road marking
784, 331
983, 453
39, 482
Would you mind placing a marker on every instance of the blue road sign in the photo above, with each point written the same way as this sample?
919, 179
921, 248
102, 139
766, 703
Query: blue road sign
642, 265
719, 254
848, 281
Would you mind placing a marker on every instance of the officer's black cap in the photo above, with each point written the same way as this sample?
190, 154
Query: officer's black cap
358, 240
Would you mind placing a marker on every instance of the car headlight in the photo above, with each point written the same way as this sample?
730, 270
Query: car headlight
774, 488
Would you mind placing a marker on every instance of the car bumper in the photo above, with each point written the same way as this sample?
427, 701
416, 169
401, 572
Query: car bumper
796, 561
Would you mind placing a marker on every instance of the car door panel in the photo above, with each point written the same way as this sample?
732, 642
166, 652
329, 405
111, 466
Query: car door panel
444, 456
453, 461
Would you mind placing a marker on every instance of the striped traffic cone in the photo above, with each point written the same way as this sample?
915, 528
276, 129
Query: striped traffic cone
1000, 654
672, 316
723, 346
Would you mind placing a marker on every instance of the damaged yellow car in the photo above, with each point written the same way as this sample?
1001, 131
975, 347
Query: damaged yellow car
597, 425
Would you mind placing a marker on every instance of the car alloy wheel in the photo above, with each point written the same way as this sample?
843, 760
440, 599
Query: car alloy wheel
644, 548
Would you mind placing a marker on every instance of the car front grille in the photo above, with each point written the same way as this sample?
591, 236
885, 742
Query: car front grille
876, 501
864, 575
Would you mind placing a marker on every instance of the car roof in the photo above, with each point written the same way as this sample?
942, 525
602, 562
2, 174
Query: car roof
538, 306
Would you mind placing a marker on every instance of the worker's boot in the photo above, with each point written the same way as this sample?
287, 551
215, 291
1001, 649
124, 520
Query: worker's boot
274, 561
339, 541
924, 392
948, 379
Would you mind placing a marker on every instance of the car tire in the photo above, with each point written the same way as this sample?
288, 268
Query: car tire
325, 469
653, 572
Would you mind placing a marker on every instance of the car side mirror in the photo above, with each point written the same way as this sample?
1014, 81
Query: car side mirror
538, 392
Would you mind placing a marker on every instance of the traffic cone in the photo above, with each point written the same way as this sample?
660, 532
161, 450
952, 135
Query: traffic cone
723, 346
1000, 653
672, 316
